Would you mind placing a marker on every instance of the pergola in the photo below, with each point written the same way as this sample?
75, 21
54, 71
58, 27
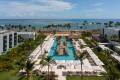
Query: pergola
62, 34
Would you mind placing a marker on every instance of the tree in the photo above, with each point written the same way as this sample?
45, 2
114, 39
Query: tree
114, 37
117, 24
85, 23
106, 25
112, 74
46, 61
111, 23
107, 53
20, 39
81, 57
28, 66
28, 69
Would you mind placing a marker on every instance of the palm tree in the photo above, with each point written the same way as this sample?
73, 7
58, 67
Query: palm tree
110, 23
28, 69
107, 53
46, 61
81, 57
112, 74
28, 66
41, 44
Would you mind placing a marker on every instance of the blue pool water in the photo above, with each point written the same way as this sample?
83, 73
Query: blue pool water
70, 52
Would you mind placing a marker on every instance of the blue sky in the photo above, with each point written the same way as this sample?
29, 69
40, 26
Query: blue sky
52, 9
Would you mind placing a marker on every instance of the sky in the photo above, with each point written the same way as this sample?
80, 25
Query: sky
59, 9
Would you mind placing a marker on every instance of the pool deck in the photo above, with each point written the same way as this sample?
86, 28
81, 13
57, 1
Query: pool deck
71, 67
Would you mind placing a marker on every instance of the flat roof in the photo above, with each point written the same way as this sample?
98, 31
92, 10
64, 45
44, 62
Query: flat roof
103, 47
114, 28
82, 42
26, 33
117, 47
62, 34
116, 56
3, 31
94, 57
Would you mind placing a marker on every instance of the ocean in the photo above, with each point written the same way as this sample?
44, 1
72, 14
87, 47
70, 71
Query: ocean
38, 23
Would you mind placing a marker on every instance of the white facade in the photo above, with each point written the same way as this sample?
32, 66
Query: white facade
8, 39
27, 35
108, 32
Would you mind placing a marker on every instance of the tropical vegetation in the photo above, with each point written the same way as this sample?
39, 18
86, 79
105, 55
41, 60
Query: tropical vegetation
14, 59
47, 61
111, 65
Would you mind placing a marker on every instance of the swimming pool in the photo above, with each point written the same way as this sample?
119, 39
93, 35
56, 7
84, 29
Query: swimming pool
70, 51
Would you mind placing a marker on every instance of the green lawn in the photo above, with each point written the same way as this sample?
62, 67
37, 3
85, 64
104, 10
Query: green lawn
11, 75
86, 78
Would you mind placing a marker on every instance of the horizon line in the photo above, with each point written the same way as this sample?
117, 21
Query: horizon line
55, 18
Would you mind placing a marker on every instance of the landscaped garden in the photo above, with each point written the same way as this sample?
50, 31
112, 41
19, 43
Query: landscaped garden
87, 37
14, 59
111, 65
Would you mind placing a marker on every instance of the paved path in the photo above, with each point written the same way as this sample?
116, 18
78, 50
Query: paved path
60, 76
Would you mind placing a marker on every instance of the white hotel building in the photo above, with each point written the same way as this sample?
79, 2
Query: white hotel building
27, 35
108, 32
8, 39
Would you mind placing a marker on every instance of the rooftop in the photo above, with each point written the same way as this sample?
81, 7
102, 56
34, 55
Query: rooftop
117, 47
116, 56
3, 31
114, 28
26, 33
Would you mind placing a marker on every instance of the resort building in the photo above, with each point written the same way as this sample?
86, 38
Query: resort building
8, 40
115, 54
22, 36
27, 35
111, 32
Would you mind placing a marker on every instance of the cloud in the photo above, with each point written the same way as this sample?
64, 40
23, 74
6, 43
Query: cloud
32, 8
98, 4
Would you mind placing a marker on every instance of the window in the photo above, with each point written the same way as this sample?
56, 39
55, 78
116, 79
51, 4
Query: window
10, 41
15, 39
4, 43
